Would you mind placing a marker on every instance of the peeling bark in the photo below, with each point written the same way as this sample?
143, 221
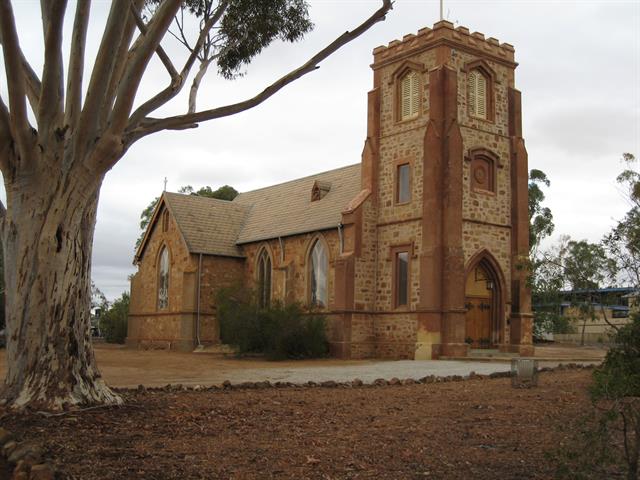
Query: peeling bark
47, 239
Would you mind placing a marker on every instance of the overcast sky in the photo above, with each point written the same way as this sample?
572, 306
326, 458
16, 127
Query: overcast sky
579, 75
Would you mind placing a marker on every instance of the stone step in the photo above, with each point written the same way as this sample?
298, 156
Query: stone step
218, 349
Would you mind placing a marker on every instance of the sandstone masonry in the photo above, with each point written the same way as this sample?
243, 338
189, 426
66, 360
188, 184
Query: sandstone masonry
423, 240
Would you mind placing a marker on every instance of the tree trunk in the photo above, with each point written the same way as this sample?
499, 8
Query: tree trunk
47, 237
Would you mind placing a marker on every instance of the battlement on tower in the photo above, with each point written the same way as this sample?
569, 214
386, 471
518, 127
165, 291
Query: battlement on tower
444, 33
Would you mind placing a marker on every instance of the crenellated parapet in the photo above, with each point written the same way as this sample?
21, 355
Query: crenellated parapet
444, 33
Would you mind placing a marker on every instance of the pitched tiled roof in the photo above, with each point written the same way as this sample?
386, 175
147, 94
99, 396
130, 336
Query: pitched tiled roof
216, 227
209, 226
287, 209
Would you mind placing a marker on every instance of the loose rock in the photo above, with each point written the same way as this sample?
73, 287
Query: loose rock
43, 471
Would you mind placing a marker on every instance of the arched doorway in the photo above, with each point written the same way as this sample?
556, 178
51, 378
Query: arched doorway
483, 303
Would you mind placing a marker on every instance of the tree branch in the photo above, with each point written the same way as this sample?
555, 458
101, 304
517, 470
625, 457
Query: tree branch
5, 140
76, 64
33, 84
193, 92
15, 79
152, 126
164, 58
107, 55
124, 56
136, 66
52, 95
178, 82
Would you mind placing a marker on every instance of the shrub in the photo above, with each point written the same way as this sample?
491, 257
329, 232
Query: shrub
608, 444
279, 331
616, 390
113, 322
550, 322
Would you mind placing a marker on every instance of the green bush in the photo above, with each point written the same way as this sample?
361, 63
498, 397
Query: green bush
113, 322
619, 375
279, 331
550, 322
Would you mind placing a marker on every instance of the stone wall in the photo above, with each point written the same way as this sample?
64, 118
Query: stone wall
290, 265
175, 327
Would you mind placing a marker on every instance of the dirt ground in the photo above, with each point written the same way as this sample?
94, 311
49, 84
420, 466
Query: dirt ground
476, 429
123, 367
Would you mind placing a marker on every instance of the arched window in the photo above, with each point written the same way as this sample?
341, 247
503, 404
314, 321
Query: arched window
264, 279
409, 95
478, 94
163, 279
318, 268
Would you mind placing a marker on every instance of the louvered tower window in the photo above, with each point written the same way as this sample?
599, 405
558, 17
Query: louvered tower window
409, 95
477, 94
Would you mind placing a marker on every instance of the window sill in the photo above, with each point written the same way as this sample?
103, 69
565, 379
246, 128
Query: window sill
400, 121
484, 192
485, 120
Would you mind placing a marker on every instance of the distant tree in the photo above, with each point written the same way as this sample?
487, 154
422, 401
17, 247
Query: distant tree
540, 218
543, 277
623, 241
226, 192
585, 267
98, 299
547, 282
113, 322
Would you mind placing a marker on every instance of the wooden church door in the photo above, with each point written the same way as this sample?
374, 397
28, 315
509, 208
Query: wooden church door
479, 303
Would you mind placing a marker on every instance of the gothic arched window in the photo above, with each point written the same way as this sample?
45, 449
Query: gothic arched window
478, 94
409, 95
264, 279
318, 273
163, 279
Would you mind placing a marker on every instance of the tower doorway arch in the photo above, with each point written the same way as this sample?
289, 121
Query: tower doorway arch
483, 302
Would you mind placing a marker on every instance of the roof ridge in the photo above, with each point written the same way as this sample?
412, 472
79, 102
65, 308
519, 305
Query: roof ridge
299, 178
215, 200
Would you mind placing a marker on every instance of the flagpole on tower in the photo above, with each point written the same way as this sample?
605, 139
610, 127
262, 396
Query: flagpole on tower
441, 10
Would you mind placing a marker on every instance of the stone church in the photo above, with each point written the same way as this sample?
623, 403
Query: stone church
416, 252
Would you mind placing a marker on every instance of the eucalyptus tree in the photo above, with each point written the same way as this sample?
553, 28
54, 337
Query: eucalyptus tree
60, 136
623, 241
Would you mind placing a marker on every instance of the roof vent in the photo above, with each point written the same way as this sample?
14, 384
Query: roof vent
319, 190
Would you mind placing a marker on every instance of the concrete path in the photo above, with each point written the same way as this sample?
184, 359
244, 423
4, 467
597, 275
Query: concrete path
122, 367
367, 372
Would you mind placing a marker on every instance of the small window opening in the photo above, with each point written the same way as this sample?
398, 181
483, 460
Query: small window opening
403, 186
319, 190
402, 279
165, 221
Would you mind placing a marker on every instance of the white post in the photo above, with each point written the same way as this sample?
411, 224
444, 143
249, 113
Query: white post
441, 10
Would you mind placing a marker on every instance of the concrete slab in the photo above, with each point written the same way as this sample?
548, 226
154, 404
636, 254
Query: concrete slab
123, 367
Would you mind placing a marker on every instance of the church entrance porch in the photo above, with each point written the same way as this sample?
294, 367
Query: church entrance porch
482, 304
